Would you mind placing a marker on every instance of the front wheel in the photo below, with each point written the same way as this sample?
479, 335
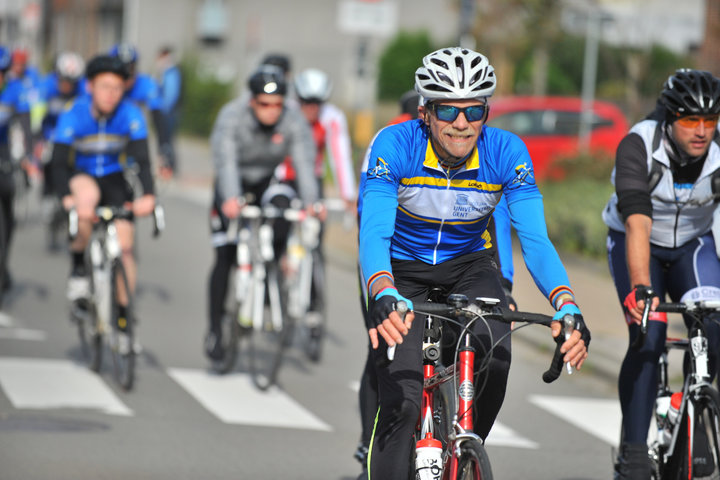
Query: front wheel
123, 342
471, 462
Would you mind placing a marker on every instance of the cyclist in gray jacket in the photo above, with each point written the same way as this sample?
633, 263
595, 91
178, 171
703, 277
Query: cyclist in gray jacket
250, 138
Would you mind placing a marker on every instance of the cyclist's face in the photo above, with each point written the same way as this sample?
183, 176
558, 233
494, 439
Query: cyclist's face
694, 134
107, 90
457, 138
268, 108
311, 110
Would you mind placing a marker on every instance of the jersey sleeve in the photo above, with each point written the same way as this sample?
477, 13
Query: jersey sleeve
380, 202
64, 132
137, 128
503, 239
527, 215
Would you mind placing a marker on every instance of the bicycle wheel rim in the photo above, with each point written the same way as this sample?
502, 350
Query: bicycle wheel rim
706, 461
472, 462
268, 343
123, 347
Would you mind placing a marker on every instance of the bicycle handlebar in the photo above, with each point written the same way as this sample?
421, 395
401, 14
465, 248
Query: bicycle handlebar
501, 314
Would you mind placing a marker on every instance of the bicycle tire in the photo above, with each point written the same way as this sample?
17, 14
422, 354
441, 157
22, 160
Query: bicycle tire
3, 253
316, 333
91, 344
269, 341
706, 462
123, 344
472, 461
231, 332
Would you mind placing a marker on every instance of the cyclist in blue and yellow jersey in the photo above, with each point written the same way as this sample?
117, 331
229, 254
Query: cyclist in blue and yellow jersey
13, 107
89, 140
432, 185
252, 135
58, 89
144, 91
664, 232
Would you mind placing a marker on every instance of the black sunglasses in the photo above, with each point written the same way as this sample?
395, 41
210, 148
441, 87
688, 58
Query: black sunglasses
448, 113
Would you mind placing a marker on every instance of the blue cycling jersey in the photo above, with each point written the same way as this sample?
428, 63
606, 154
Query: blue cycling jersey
99, 142
145, 92
414, 209
13, 100
56, 101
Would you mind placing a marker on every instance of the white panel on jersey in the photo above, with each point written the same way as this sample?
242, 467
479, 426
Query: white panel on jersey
599, 417
48, 384
503, 436
234, 399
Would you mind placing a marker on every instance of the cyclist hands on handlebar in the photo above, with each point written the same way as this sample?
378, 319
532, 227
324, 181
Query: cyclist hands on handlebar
635, 301
575, 348
144, 205
385, 320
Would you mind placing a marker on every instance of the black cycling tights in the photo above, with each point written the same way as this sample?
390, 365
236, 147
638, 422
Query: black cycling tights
225, 257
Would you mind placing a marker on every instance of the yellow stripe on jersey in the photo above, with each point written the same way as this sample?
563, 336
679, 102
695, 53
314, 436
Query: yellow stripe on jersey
454, 183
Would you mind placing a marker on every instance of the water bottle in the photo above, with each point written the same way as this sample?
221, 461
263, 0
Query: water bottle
662, 405
242, 279
428, 459
672, 416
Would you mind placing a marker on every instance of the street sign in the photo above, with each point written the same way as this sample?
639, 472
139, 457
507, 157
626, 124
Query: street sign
368, 17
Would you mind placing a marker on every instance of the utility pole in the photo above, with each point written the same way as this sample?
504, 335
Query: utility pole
592, 41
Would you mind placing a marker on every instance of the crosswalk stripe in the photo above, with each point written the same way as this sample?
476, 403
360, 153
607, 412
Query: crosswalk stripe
23, 334
48, 384
234, 399
599, 417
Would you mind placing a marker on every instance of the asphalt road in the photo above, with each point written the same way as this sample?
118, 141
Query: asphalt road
58, 420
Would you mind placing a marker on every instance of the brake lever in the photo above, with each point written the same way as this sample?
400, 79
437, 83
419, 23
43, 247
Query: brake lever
568, 328
402, 308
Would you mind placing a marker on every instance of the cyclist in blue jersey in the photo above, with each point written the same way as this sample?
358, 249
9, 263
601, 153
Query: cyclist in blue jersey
89, 140
13, 106
143, 90
431, 187
664, 230
170, 83
57, 90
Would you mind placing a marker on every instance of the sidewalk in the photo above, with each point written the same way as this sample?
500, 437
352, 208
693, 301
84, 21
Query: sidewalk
590, 279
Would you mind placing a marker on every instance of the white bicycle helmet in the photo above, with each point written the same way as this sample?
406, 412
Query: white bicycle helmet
313, 85
70, 66
456, 74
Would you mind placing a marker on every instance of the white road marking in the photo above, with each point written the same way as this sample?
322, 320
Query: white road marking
23, 334
598, 417
503, 436
5, 320
48, 384
234, 399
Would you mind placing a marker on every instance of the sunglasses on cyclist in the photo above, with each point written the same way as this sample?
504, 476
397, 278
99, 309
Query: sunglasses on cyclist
448, 113
694, 121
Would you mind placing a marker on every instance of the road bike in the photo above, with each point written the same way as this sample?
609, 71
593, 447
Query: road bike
258, 320
685, 442
96, 317
450, 392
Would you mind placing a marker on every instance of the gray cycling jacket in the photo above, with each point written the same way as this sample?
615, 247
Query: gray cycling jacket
246, 153
680, 213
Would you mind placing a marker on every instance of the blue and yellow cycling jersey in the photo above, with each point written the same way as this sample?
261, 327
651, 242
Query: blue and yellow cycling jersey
13, 100
99, 142
415, 209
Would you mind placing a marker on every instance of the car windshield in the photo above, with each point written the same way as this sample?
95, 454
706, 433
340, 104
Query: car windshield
544, 122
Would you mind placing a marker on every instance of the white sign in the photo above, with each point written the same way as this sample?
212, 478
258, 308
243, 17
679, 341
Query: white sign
368, 17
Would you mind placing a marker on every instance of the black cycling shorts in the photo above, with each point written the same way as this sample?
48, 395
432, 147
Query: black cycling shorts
115, 191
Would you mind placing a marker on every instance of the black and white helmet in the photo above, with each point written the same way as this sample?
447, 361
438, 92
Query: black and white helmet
691, 92
456, 74
70, 66
313, 85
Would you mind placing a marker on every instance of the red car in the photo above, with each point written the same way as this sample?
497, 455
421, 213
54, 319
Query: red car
549, 126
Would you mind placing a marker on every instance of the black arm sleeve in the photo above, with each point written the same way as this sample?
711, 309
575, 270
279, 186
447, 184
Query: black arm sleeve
60, 165
24, 121
160, 123
631, 177
138, 149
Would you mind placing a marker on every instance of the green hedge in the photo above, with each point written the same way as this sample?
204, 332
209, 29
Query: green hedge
203, 97
573, 206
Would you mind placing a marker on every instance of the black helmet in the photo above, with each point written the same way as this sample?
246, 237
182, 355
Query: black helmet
409, 102
279, 60
267, 79
106, 64
691, 92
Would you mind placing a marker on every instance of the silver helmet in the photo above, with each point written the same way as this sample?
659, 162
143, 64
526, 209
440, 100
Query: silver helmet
313, 85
